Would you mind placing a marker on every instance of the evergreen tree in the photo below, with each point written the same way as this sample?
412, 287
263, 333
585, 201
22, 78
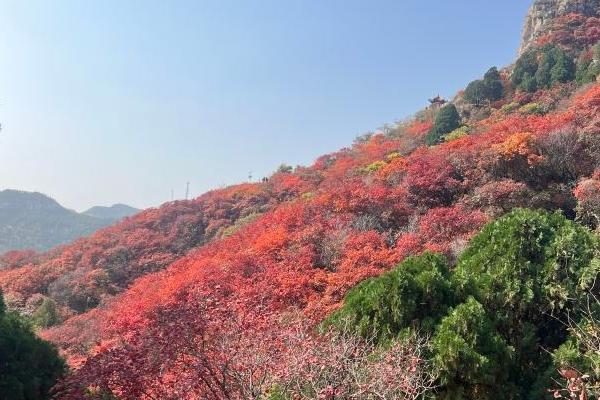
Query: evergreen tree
581, 74
489, 88
529, 270
446, 121
476, 92
563, 69
29, 366
555, 66
493, 84
473, 359
528, 84
543, 75
596, 51
2, 305
416, 290
526, 65
499, 315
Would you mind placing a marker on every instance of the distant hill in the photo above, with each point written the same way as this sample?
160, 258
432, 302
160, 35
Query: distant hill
114, 212
35, 221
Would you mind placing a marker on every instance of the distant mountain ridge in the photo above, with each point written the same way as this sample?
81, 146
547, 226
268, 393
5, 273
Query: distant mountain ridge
114, 212
31, 220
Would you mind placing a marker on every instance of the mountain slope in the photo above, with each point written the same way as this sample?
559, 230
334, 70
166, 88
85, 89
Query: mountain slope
320, 230
35, 221
84, 274
307, 253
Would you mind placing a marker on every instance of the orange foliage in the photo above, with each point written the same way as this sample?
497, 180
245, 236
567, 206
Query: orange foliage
517, 145
419, 128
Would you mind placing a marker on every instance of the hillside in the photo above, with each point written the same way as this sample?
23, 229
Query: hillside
206, 299
35, 221
82, 275
113, 213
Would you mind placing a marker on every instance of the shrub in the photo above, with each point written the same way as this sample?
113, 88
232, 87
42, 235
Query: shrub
373, 167
528, 270
416, 291
457, 133
510, 107
472, 358
532, 108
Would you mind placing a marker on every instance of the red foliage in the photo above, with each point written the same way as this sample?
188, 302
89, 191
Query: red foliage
572, 31
587, 110
18, 258
442, 226
89, 271
419, 128
321, 230
431, 179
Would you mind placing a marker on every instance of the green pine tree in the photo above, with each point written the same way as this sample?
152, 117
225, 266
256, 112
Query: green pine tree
563, 69
446, 121
29, 366
493, 84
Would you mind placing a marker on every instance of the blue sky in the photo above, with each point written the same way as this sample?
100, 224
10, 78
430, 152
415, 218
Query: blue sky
121, 101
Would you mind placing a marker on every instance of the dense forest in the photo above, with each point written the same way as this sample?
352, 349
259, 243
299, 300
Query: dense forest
453, 255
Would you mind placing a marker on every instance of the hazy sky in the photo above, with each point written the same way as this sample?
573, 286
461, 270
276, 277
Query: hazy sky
120, 101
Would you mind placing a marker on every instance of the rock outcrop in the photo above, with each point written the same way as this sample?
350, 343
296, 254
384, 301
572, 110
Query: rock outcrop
543, 11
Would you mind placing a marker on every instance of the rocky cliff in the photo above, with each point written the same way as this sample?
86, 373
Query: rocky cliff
543, 11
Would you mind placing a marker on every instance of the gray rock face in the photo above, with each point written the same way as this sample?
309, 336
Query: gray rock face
543, 11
